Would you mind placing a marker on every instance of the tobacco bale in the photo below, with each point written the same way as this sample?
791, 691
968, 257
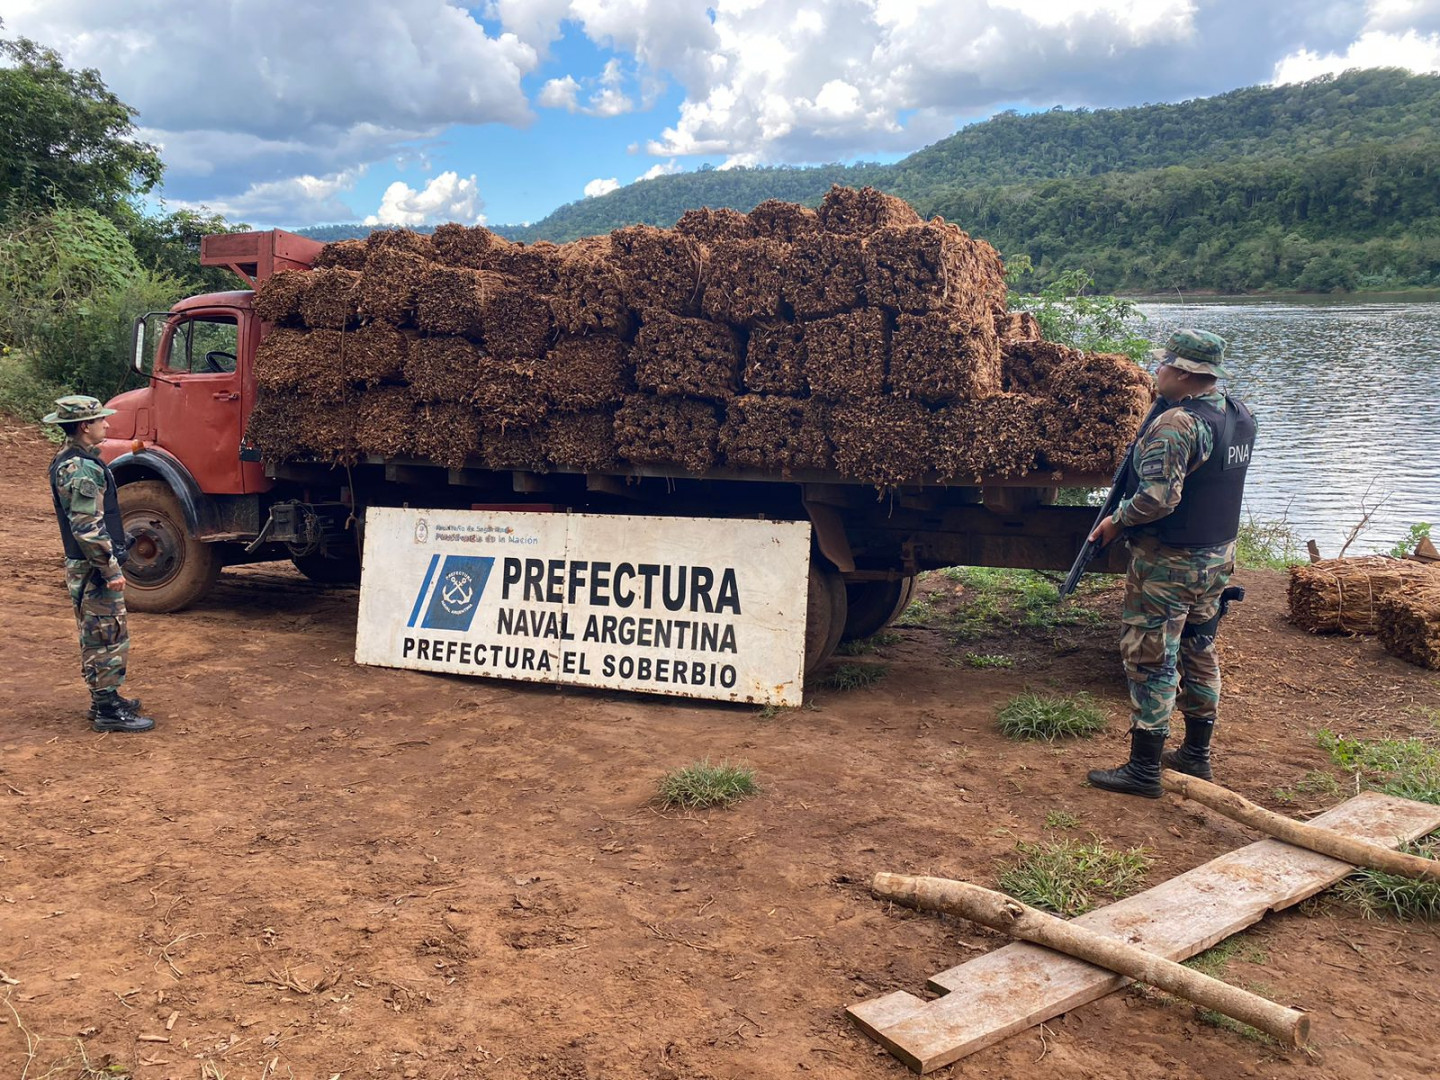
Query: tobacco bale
312, 361
327, 430
388, 284
1029, 364
709, 227
281, 360
667, 431
580, 440
346, 254
883, 441
743, 280
274, 427
662, 268
329, 299
506, 392
846, 210
998, 436
473, 247
784, 221
1093, 411
590, 289
376, 352
535, 266
940, 357
584, 373
517, 321
1410, 623
442, 369
775, 359
451, 299
825, 275
513, 446
677, 356
406, 240
1335, 596
776, 434
385, 421
278, 298
446, 433
920, 268
845, 354
1017, 326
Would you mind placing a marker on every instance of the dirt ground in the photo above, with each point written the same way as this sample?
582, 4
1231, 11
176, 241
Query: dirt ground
319, 870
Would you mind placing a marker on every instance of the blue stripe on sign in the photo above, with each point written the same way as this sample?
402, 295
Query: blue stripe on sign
425, 588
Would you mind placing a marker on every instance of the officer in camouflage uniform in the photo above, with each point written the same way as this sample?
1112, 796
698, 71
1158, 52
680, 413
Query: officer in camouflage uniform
1180, 515
88, 511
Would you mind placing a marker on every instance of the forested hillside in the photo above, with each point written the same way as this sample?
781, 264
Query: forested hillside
1328, 184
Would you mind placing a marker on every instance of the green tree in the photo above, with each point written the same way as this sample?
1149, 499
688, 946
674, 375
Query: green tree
68, 139
1070, 313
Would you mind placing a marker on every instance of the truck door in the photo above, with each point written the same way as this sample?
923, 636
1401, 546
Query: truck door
198, 387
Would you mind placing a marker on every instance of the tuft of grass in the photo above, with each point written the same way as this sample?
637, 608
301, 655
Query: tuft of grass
1267, 545
1378, 894
1215, 959
1409, 768
1067, 876
989, 660
702, 784
1051, 716
866, 646
855, 676
1060, 819
1314, 782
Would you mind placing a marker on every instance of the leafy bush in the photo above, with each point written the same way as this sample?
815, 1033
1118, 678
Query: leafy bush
1070, 314
1267, 545
1419, 531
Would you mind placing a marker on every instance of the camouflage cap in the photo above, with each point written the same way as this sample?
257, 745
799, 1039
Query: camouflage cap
1197, 351
74, 408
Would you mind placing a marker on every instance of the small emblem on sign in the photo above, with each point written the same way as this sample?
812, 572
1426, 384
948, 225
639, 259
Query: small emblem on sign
457, 592
422, 531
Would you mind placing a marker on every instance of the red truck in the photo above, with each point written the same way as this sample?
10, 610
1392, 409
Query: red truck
194, 501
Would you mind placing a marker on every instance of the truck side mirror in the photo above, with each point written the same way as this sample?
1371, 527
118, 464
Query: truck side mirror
137, 345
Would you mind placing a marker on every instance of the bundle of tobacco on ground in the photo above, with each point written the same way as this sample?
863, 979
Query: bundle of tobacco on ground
855, 339
1410, 623
1343, 595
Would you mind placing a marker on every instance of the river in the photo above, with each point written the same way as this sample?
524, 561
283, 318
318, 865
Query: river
1348, 419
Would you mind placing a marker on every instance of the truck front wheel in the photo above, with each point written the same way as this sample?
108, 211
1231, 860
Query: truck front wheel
168, 569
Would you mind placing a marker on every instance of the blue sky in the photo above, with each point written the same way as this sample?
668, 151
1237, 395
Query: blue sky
422, 111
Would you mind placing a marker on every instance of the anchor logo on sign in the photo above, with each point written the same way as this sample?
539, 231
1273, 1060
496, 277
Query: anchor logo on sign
458, 593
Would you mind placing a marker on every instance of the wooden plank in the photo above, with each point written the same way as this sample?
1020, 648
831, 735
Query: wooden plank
1021, 985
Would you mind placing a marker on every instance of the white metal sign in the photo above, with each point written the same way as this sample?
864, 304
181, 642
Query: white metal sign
698, 607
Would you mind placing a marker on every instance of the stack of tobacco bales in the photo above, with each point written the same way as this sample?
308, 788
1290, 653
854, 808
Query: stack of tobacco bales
1344, 595
1410, 623
857, 340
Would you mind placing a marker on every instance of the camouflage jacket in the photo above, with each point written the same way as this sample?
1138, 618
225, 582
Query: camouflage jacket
1175, 445
80, 487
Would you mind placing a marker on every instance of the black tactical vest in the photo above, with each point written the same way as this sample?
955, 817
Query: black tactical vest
1210, 502
114, 527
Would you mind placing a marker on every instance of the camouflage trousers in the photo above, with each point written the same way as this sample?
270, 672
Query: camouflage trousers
100, 618
1167, 588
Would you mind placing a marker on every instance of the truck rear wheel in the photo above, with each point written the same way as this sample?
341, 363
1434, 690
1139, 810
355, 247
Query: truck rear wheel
168, 569
824, 616
874, 605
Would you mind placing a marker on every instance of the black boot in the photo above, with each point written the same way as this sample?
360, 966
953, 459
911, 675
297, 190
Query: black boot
1141, 774
129, 704
108, 714
1193, 755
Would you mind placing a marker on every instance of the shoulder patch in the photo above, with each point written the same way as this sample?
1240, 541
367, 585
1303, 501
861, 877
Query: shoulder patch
86, 488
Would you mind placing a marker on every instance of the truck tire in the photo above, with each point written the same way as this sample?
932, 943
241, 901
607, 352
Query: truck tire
824, 616
168, 569
874, 605
329, 569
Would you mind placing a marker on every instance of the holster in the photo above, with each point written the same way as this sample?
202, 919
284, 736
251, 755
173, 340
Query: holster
1211, 626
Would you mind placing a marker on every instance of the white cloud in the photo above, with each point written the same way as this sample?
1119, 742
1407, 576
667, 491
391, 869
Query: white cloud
445, 198
663, 168
1372, 49
559, 94
300, 200
252, 92
599, 187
